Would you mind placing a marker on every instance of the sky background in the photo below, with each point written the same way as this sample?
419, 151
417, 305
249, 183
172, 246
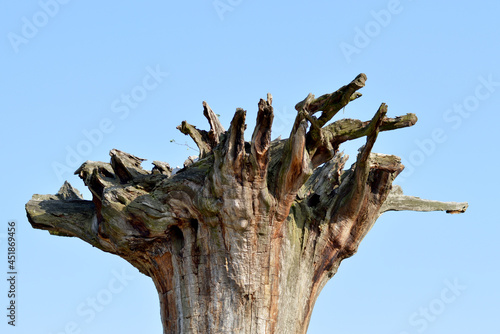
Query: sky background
67, 67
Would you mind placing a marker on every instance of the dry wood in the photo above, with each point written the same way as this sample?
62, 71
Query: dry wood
244, 239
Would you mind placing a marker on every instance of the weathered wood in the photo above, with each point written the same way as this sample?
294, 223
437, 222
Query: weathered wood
126, 166
397, 201
261, 138
206, 141
243, 239
161, 168
200, 137
216, 129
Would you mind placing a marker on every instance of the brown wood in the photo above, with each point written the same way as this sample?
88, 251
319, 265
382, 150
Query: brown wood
244, 239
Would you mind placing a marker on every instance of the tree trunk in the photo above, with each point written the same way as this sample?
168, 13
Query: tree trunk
243, 239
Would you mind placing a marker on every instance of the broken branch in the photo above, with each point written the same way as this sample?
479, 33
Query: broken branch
397, 201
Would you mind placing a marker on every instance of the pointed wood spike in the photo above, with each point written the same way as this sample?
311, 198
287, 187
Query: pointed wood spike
200, 137
126, 166
161, 167
216, 128
235, 143
261, 137
67, 192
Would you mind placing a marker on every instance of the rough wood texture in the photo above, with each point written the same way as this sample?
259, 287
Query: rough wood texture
244, 239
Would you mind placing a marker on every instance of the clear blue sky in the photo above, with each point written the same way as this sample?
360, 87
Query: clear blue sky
66, 71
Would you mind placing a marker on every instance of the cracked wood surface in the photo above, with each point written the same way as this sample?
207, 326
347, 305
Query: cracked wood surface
243, 239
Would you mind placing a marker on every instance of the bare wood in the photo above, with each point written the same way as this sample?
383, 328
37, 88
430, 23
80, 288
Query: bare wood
216, 129
343, 130
206, 141
126, 166
331, 104
355, 194
243, 239
65, 214
200, 137
295, 168
397, 201
235, 144
261, 137
161, 167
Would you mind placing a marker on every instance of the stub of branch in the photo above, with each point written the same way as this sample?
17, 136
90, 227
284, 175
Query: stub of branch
331, 104
65, 214
200, 137
97, 176
126, 166
349, 129
261, 138
356, 194
386, 162
295, 165
206, 141
325, 178
373, 129
343, 130
397, 201
235, 143
67, 192
161, 167
216, 129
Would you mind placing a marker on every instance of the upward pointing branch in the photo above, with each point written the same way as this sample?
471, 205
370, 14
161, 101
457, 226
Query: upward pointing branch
206, 141
357, 192
216, 129
235, 143
331, 104
261, 137
343, 130
200, 137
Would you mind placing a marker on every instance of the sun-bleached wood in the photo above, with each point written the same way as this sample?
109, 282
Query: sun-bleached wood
243, 239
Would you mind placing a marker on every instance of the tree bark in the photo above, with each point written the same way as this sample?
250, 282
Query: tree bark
244, 239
